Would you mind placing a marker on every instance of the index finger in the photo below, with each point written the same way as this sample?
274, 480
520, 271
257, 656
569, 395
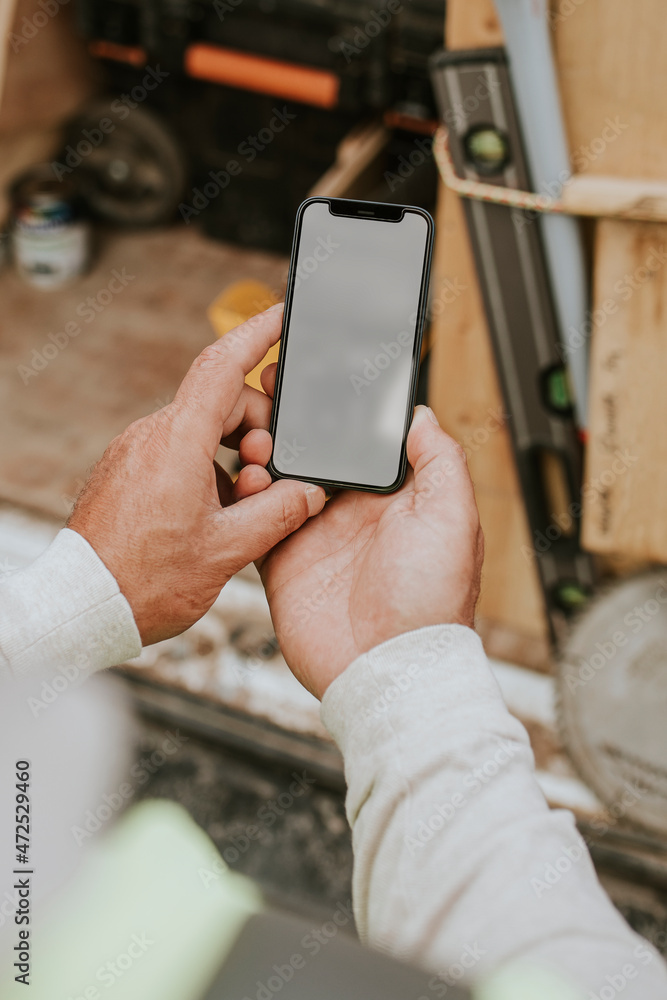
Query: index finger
212, 387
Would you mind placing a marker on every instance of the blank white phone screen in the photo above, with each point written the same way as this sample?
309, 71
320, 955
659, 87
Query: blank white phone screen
349, 347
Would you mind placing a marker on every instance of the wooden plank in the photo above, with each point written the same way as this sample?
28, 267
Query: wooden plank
472, 24
626, 470
619, 130
37, 58
465, 394
6, 21
616, 197
612, 67
355, 154
49, 73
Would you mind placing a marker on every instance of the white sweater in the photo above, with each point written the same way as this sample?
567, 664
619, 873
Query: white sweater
459, 863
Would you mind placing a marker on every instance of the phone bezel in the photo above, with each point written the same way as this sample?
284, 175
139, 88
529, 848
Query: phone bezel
370, 211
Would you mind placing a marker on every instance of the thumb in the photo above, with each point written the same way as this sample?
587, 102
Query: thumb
439, 463
252, 526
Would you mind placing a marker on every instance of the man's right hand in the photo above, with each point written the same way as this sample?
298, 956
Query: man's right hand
373, 566
162, 515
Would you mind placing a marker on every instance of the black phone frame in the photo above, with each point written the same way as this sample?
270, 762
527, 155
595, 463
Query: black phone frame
371, 211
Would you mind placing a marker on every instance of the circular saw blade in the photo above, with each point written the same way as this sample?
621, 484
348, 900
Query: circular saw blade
612, 699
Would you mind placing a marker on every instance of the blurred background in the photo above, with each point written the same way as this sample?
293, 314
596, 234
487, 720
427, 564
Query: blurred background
153, 154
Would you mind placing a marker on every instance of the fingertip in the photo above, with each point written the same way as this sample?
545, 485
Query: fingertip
423, 421
423, 413
315, 498
268, 379
251, 480
255, 447
429, 445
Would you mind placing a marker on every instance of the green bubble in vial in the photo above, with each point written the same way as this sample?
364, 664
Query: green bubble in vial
572, 596
559, 390
487, 149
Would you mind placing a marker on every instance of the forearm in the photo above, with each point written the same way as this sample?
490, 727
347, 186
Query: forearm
452, 836
64, 616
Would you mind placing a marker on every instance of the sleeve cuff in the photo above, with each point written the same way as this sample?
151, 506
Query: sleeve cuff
431, 677
64, 614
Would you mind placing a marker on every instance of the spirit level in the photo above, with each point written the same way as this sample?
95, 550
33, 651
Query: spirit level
475, 99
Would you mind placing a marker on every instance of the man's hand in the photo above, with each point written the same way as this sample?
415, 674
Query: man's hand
164, 517
371, 566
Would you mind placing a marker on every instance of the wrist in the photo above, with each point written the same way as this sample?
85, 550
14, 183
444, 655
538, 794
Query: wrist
446, 661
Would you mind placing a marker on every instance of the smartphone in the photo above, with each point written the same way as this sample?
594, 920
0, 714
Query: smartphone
350, 344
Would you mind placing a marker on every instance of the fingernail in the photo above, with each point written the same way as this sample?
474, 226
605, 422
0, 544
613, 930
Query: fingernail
422, 411
314, 499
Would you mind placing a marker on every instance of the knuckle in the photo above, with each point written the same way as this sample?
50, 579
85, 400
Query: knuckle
294, 511
211, 354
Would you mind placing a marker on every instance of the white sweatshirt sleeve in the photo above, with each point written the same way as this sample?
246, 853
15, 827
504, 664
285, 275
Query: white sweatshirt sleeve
64, 616
459, 863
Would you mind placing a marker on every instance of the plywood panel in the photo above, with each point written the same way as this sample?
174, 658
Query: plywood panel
613, 70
